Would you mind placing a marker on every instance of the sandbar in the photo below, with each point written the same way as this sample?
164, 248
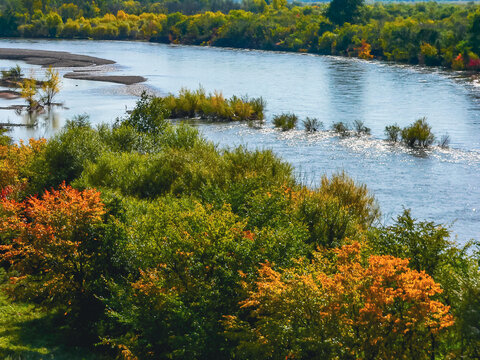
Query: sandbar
47, 58
119, 79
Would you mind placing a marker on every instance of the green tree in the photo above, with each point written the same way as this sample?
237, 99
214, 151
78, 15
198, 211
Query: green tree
342, 11
54, 23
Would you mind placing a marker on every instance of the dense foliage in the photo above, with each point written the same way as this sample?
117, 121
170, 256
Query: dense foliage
155, 243
424, 33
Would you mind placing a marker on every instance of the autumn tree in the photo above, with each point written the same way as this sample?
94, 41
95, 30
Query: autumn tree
28, 91
17, 165
50, 86
341, 305
51, 244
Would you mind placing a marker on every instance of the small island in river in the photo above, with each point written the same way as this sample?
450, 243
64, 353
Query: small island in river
47, 58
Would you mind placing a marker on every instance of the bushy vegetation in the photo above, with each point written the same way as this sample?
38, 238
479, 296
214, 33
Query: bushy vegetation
213, 107
417, 135
12, 75
360, 128
422, 33
341, 128
312, 124
151, 111
152, 243
285, 121
393, 132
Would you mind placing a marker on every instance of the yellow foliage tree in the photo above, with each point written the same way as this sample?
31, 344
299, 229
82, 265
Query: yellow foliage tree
342, 305
28, 91
51, 86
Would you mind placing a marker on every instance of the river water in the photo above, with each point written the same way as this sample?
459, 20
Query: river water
440, 185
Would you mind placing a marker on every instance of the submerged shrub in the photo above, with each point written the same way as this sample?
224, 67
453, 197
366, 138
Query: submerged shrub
258, 105
444, 141
419, 134
14, 74
360, 128
312, 124
393, 132
340, 128
285, 121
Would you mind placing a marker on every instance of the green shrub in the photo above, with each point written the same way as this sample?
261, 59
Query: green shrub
360, 128
4, 139
393, 132
67, 153
341, 128
425, 243
14, 74
194, 260
312, 124
340, 208
419, 134
148, 116
285, 121
174, 170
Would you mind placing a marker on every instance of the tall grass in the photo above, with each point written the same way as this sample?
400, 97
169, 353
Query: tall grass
285, 121
214, 107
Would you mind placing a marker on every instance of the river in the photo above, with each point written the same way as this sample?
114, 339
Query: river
440, 185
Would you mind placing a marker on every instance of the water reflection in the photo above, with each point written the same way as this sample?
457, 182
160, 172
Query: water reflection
346, 85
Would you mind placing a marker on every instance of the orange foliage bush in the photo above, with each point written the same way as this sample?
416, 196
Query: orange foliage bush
364, 50
47, 242
343, 306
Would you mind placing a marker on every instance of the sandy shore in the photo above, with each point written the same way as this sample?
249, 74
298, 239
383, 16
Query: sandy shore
52, 58
65, 59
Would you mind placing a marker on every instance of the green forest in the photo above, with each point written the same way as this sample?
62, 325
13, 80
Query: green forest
143, 240
422, 33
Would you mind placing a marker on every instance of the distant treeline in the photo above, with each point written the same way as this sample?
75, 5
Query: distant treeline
425, 33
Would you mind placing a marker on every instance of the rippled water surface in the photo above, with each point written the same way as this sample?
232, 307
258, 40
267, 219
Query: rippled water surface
441, 185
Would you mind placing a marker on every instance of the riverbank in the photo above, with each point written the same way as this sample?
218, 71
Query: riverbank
426, 34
